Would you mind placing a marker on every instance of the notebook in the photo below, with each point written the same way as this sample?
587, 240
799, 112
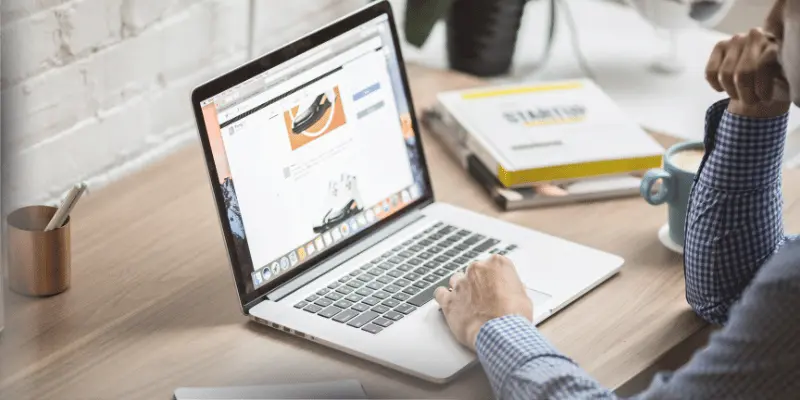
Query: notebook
344, 389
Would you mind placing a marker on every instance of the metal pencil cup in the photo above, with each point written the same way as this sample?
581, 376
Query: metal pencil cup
38, 261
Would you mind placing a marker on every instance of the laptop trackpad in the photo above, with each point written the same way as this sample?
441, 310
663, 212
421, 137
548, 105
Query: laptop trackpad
540, 300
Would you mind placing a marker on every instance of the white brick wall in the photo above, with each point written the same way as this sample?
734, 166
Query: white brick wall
276, 22
95, 89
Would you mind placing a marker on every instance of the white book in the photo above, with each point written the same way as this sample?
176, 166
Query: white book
553, 131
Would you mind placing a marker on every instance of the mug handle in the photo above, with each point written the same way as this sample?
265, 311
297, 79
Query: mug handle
664, 192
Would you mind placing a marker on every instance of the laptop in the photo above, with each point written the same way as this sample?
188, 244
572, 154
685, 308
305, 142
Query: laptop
326, 206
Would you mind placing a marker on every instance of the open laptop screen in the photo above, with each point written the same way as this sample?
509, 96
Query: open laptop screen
314, 151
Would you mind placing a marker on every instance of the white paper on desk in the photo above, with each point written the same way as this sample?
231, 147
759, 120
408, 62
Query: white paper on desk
344, 389
619, 46
604, 184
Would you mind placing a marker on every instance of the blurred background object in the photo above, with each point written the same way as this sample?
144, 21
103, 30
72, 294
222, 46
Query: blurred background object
669, 16
481, 34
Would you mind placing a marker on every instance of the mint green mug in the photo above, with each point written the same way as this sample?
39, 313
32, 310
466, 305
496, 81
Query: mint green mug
681, 164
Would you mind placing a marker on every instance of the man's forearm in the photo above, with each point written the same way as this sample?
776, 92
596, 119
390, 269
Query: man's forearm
521, 364
734, 222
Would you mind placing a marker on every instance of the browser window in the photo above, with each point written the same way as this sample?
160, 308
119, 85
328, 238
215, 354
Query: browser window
317, 154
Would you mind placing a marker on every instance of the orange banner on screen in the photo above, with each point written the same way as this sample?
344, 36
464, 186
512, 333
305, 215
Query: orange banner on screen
314, 117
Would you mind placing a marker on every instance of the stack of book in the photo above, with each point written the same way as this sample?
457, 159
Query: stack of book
543, 144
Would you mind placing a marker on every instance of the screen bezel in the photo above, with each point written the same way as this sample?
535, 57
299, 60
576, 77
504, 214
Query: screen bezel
259, 66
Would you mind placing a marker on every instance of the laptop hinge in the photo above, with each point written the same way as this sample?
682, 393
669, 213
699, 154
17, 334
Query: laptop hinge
343, 256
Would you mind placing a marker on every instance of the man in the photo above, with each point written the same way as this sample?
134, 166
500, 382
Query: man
741, 270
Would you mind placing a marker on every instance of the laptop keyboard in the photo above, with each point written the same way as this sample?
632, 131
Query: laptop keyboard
395, 284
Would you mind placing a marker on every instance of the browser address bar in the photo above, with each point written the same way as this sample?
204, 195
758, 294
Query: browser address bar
300, 64
231, 112
334, 62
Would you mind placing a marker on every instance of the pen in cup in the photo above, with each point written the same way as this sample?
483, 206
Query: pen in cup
66, 207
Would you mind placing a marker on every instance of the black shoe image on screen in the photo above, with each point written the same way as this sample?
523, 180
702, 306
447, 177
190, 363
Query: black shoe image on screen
341, 191
309, 115
336, 217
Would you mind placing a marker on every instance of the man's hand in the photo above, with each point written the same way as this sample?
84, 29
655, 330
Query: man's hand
746, 68
490, 289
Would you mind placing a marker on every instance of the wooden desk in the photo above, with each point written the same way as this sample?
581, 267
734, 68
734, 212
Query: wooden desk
152, 307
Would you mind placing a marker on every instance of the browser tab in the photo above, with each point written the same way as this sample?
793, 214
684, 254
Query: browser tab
314, 68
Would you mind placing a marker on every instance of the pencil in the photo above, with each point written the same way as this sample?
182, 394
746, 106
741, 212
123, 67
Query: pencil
63, 212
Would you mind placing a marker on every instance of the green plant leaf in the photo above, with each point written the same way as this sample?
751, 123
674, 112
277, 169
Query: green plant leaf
421, 16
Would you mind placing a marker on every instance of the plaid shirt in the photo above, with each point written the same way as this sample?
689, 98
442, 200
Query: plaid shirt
735, 275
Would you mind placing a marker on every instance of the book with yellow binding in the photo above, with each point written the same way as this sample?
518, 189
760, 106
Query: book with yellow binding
545, 132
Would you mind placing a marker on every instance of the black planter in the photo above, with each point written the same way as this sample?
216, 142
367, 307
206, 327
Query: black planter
482, 35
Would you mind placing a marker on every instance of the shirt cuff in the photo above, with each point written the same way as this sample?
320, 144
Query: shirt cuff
742, 153
507, 343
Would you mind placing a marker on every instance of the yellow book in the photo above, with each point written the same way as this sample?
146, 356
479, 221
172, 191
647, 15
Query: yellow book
550, 131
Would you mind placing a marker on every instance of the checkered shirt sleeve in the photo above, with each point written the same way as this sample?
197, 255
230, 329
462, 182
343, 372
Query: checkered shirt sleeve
522, 364
733, 227
734, 220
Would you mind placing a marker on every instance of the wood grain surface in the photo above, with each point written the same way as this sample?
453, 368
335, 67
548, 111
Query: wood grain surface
152, 304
